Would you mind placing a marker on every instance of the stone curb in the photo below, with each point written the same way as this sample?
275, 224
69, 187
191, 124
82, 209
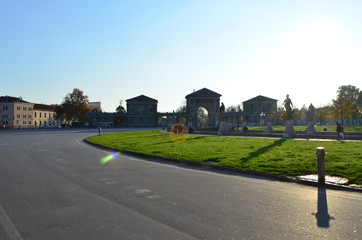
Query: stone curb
228, 169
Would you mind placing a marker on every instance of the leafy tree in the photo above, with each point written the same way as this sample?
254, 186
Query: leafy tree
346, 104
348, 92
236, 108
359, 100
299, 114
323, 113
120, 108
74, 107
182, 108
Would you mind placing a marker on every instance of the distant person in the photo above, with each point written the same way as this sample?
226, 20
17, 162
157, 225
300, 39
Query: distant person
99, 130
339, 131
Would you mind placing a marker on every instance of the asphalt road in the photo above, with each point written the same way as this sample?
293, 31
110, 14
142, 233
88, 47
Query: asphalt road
53, 186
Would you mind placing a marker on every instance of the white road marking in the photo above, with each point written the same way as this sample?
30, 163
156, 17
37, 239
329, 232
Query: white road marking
9, 227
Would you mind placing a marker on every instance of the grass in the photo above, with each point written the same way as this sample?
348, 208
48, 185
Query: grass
275, 156
330, 128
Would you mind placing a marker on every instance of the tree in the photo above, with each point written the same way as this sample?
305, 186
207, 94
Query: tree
323, 113
182, 108
346, 104
359, 100
236, 108
202, 116
348, 92
74, 107
120, 108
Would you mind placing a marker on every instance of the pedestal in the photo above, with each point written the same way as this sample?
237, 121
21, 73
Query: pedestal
269, 128
310, 128
289, 130
222, 128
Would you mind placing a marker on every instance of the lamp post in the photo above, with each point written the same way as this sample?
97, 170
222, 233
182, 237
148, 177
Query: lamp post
262, 117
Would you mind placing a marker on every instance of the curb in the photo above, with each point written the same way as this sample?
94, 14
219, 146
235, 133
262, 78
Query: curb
227, 169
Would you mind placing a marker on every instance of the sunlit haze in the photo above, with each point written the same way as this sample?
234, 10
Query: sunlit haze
117, 50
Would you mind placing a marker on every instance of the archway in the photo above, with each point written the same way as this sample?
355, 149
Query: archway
203, 117
203, 98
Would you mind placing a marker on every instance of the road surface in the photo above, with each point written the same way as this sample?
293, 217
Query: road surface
53, 186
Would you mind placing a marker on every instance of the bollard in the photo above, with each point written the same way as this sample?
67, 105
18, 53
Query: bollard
321, 169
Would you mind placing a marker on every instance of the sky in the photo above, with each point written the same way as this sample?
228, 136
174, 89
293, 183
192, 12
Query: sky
116, 50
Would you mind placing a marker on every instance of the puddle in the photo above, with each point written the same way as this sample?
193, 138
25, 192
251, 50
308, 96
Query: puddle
328, 179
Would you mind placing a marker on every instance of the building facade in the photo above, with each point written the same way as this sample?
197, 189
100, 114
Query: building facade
259, 109
44, 116
142, 112
17, 113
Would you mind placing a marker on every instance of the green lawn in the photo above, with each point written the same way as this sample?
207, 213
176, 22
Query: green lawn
275, 156
330, 128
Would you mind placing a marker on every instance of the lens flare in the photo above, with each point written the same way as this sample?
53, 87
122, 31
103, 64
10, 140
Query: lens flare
112, 156
179, 133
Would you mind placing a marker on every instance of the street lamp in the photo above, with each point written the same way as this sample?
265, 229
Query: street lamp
262, 117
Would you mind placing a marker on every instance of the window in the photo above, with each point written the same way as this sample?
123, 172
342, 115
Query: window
18, 116
24, 116
30, 109
34, 114
17, 108
24, 122
5, 107
40, 116
45, 115
29, 116
29, 122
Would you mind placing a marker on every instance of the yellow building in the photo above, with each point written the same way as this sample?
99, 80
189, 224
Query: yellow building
17, 113
44, 116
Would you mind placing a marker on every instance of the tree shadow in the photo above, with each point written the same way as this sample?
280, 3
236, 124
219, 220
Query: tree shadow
322, 214
263, 150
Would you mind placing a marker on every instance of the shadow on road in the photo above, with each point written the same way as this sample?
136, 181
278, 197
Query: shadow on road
322, 214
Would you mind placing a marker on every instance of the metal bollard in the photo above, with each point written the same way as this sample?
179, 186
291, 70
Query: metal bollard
321, 168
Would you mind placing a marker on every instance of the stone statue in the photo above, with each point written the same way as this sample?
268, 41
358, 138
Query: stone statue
222, 108
222, 122
311, 113
288, 107
311, 122
222, 112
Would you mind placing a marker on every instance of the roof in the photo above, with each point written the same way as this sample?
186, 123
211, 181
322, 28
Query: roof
9, 99
142, 98
260, 98
44, 107
204, 93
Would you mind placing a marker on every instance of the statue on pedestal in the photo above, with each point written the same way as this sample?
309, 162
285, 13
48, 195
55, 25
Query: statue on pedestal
289, 129
288, 107
222, 112
222, 120
311, 121
311, 113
